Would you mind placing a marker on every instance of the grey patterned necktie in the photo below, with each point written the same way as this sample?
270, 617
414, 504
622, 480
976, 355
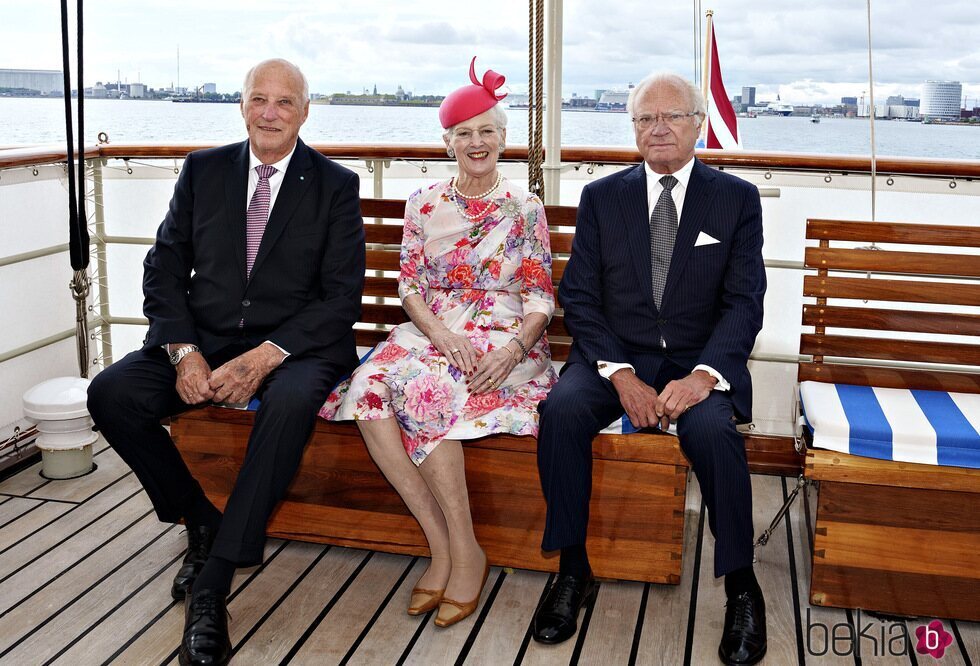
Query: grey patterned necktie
663, 233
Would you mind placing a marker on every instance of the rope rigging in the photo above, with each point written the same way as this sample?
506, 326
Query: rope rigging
535, 89
78, 240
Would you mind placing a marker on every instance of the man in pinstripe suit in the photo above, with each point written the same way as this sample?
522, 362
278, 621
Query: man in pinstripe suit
674, 351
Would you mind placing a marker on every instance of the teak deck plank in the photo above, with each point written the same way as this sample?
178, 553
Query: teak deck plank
98, 515
54, 595
339, 629
664, 629
73, 620
507, 622
28, 523
278, 634
392, 631
161, 637
613, 617
109, 635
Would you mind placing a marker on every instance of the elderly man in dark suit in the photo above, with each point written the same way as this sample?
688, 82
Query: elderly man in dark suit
674, 349
251, 288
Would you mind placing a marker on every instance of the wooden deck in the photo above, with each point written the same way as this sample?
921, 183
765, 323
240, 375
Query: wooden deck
85, 573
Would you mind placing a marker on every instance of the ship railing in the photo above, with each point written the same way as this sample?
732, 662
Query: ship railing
128, 188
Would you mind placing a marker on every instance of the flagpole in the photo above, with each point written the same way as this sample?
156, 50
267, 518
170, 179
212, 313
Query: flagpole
706, 75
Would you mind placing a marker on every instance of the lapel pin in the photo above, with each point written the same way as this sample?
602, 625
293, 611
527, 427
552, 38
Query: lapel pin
302, 177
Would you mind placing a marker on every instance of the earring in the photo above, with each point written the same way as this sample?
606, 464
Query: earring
450, 152
500, 148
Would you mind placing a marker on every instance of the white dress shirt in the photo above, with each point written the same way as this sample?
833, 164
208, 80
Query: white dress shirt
654, 189
275, 180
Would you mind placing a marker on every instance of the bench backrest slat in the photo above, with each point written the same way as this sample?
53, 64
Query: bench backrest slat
889, 349
919, 263
891, 320
888, 232
866, 375
908, 291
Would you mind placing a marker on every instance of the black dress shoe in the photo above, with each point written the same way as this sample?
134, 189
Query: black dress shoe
556, 619
205, 641
199, 540
744, 638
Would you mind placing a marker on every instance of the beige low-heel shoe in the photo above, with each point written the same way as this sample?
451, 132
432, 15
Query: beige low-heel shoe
465, 609
431, 599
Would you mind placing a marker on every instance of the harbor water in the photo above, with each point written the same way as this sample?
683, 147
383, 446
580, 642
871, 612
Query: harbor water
39, 121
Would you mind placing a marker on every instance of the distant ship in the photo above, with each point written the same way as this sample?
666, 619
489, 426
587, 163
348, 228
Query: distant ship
613, 101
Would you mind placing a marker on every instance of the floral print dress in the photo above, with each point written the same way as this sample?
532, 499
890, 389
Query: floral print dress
480, 278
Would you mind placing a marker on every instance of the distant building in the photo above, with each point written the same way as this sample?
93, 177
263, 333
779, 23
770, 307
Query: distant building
849, 101
748, 95
137, 90
44, 81
941, 99
895, 100
209, 89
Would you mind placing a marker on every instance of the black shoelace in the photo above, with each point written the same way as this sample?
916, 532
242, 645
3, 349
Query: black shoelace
742, 608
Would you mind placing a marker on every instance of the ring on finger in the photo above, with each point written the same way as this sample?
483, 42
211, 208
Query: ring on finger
492, 382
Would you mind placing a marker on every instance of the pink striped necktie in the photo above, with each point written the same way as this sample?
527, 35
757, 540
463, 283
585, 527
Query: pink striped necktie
258, 215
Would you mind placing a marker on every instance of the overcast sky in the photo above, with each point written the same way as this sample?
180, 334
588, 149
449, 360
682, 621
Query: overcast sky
805, 51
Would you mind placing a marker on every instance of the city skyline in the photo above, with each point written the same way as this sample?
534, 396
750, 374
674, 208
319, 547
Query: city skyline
812, 53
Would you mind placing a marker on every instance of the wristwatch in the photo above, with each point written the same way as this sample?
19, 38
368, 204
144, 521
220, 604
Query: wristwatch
178, 354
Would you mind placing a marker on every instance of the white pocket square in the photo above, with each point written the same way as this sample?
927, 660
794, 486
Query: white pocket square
705, 239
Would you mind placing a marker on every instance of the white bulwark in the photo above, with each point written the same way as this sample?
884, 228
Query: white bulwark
45, 81
941, 99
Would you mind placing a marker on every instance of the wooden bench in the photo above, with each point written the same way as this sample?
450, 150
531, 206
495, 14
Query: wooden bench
891, 536
339, 497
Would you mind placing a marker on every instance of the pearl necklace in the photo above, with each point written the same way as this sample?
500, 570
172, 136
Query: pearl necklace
459, 196
484, 195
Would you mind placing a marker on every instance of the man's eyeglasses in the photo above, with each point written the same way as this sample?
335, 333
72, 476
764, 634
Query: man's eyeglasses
644, 123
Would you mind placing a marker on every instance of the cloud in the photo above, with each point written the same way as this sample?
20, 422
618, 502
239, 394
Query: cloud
811, 51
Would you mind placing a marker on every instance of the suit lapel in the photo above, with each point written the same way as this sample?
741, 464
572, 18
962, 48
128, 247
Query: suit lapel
633, 200
236, 188
297, 179
697, 201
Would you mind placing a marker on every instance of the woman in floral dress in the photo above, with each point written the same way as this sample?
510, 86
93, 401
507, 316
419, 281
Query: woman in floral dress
476, 283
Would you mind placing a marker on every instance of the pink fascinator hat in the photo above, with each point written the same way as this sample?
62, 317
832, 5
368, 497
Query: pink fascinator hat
472, 100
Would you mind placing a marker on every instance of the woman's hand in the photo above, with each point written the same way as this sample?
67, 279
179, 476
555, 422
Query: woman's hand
492, 370
457, 349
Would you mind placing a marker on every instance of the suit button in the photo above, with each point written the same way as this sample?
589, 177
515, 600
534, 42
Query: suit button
661, 322
246, 303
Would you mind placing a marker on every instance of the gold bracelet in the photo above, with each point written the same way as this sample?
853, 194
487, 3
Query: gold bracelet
509, 348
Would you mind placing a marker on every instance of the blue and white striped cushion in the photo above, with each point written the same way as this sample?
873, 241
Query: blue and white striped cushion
930, 427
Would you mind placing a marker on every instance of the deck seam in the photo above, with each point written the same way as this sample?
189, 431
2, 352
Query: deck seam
377, 613
87, 590
638, 629
794, 587
530, 625
73, 565
57, 518
129, 597
265, 616
298, 645
67, 538
584, 629
474, 632
696, 576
